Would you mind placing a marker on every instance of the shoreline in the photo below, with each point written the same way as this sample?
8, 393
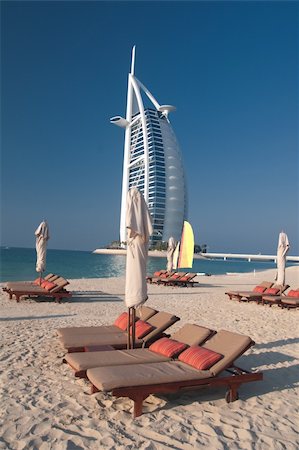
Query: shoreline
207, 257
152, 253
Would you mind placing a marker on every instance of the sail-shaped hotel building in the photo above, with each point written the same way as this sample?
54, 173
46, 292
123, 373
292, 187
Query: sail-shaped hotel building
152, 161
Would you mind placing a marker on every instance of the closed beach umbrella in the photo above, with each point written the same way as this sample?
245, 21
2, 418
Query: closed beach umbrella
170, 251
139, 229
42, 236
282, 249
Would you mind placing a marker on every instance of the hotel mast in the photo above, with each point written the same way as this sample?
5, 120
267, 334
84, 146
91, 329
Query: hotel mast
152, 162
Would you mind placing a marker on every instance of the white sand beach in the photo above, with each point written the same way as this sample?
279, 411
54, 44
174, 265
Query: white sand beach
43, 406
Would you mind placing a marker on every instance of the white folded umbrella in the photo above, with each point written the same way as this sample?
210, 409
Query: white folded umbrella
42, 236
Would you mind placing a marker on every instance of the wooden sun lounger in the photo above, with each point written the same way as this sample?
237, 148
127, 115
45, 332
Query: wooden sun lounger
186, 280
155, 275
79, 343
163, 276
257, 296
237, 295
11, 285
137, 382
58, 292
284, 301
143, 313
289, 302
172, 279
189, 334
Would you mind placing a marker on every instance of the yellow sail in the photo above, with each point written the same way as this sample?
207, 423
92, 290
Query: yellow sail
186, 247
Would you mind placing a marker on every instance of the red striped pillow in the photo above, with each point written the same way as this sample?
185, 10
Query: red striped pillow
200, 358
293, 293
39, 281
167, 347
259, 289
48, 285
122, 321
142, 329
272, 291
175, 276
184, 278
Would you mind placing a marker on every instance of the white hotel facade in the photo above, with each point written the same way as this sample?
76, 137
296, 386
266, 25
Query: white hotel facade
152, 162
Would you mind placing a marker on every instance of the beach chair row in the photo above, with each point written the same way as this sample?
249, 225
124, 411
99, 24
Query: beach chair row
268, 293
182, 279
192, 357
50, 286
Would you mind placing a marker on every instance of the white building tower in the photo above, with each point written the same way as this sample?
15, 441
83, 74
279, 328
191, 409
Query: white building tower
152, 162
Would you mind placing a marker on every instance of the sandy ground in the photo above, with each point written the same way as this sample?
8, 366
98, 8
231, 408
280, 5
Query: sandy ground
44, 407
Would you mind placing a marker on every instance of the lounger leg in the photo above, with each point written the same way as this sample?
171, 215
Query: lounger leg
94, 390
138, 401
232, 394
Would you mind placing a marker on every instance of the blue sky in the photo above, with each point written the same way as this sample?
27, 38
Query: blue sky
231, 68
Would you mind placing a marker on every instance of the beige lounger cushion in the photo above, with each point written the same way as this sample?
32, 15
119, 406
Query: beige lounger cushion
191, 334
113, 339
108, 378
88, 360
272, 298
21, 285
161, 321
144, 313
82, 331
290, 300
60, 283
228, 344
188, 334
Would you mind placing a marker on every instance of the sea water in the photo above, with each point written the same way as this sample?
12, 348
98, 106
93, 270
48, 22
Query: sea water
19, 264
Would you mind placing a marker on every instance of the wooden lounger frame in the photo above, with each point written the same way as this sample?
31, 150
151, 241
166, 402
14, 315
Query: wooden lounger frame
57, 296
237, 296
237, 377
102, 348
186, 283
23, 290
164, 276
138, 394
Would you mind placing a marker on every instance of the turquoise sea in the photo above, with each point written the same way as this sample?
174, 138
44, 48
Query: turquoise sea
19, 264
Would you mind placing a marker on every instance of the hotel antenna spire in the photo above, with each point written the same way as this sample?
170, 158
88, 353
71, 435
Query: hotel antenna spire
133, 60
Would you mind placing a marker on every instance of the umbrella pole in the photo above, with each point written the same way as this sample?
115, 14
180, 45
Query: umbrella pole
128, 329
133, 327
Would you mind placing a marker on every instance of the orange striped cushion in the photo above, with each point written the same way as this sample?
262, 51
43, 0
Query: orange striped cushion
142, 329
259, 289
48, 285
199, 357
272, 291
167, 347
122, 321
184, 278
175, 276
293, 293
38, 281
